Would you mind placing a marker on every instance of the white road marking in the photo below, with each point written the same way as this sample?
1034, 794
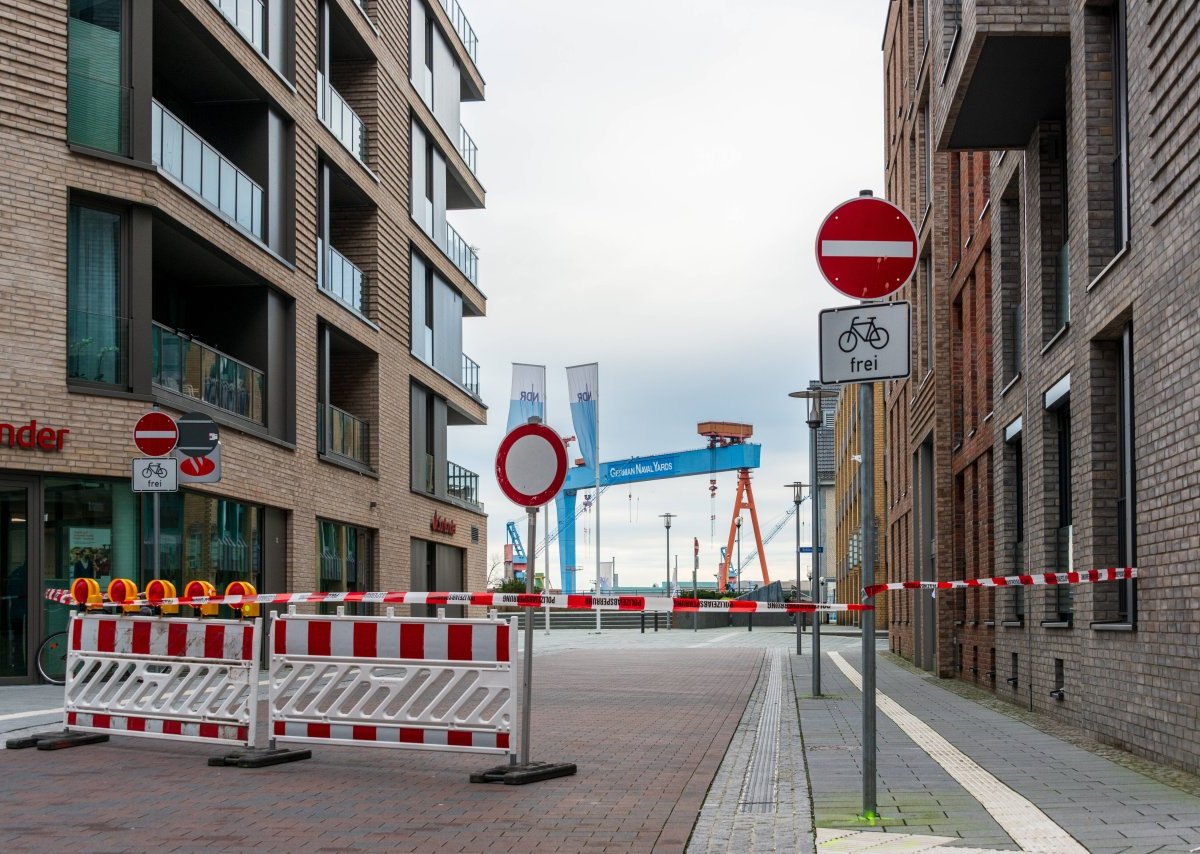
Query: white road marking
714, 640
868, 248
36, 713
830, 841
1028, 826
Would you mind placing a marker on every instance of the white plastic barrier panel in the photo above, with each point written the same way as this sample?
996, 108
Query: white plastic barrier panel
426, 684
163, 677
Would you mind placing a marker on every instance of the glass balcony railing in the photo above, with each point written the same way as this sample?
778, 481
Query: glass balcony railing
185, 366
96, 347
462, 484
339, 277
461, 253
341, 119
185, 156
247, 17
97, 113
463, 27
470, 375
341, 434
467, 148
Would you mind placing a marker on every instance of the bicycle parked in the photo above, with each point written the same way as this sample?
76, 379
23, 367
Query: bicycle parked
52, 659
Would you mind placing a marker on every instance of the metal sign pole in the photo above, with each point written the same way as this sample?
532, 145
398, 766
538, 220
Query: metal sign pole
527, 690
866, 432
799, 615
813, 493
156, 560
695, 590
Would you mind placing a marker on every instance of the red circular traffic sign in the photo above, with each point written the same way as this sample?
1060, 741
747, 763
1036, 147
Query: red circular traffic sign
531, 465
155, 434
867, 248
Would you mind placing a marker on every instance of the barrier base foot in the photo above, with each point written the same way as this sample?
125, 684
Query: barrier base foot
255, 758
518, 775
56, 740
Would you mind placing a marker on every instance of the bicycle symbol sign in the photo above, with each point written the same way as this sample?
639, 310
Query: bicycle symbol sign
155, 474
864, 343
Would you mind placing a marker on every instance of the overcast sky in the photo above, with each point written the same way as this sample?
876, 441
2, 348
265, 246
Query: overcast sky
655, 174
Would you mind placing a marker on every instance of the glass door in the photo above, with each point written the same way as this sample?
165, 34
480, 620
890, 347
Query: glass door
15, 629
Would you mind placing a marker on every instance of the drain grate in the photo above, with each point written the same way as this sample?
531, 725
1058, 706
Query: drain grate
760, 786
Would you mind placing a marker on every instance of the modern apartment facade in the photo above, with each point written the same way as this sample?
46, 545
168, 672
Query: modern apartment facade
1079, 119
240, 209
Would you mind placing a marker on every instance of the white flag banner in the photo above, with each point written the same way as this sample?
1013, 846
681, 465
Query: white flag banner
582, 384
528, 396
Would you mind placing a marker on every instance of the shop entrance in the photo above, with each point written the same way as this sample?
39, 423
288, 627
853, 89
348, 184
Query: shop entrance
16, 544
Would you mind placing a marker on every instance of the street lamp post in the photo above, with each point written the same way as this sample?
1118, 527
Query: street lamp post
739, 554
815, 421
797, 497
667, 517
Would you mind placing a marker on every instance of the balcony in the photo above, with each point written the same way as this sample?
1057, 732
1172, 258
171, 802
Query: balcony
470, 375
463, 27
340, 434
468, 149
185, 366
247, 17
462, 484
338, 116
213, 179
1006, 71
339, 277
461, 253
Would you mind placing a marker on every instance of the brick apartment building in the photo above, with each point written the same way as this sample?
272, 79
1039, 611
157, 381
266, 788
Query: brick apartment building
237, 208
848, 538
1046, 151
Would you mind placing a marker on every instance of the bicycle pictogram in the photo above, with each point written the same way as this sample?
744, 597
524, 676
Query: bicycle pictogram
156, 470
863, 329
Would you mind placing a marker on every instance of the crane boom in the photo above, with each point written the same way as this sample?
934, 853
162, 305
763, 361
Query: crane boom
770, 536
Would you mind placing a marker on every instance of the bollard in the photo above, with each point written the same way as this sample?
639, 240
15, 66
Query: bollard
656, 621
643, 622
750, 621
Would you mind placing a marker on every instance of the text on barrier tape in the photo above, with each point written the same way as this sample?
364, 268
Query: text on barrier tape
661, 604
1086, 576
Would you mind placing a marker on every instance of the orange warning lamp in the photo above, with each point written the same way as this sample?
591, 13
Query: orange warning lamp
158, 590
201, 588
243, 588
123, 591
86, 592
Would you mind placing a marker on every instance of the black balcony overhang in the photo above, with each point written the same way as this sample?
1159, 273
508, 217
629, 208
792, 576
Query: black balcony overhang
1010, 84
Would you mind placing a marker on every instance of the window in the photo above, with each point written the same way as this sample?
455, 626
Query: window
1126, 502
1120, 167
1012, 298
1058, 405
1113, 495
1016, 457
927, 141
1056, 262
344, 557
97, 87
96, 329
927, 276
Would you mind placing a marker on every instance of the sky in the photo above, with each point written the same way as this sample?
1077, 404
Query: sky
656, 173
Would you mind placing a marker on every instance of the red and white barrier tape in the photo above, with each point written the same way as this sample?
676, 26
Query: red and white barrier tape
1087, 576
661, 604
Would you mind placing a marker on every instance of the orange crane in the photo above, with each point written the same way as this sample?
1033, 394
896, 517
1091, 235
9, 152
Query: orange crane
721, 434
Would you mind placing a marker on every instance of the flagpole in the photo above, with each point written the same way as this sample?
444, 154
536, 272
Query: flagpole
597, 460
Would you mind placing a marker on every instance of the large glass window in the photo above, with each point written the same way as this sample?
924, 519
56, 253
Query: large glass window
1126, 500
344, 557
14, 580
97, 94
1063, 594
96, 329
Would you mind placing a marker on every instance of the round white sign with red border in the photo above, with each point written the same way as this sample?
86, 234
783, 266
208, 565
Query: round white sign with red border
867, 248
155, 434
531, 465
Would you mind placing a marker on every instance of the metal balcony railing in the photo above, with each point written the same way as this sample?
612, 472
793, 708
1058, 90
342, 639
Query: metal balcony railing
247, 17
341, 119
341, 434
462, 484
467, 148
463, 27
185, 366
339, 277
470, 375
185, 156
461, 253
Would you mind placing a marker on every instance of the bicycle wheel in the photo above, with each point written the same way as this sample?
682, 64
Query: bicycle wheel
847, 341
52, 659
879, 338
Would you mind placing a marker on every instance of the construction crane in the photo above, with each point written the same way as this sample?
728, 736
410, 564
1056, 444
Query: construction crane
770, 536
539, 547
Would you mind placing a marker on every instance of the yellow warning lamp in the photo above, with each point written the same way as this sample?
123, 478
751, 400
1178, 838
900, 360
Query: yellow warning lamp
158, 590
122, 590
201, 588
86, 593
243, 588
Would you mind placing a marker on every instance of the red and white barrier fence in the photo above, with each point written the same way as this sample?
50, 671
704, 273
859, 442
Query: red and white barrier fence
156, 677
581, 602
1087, 576
432, 684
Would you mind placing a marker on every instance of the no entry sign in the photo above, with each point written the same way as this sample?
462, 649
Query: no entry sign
867, 248
155, 434
531, 465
